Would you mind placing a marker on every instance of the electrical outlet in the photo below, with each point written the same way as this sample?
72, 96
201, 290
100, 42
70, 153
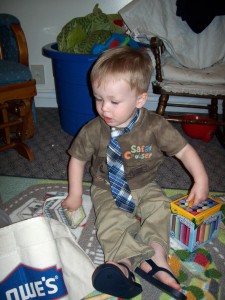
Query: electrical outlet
38, 73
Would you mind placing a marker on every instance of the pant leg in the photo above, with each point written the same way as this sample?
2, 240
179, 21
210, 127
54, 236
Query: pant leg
117, 230
154, 212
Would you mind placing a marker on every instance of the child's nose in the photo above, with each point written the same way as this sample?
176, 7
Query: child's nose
105, 107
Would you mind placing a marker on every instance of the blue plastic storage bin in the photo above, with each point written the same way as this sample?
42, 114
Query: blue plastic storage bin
73, 91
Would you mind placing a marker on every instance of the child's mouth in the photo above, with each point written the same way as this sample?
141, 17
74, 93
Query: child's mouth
107, 120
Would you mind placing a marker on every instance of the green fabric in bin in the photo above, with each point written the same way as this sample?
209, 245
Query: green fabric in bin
80, 34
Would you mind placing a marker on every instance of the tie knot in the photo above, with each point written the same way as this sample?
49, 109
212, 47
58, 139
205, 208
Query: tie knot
116, 132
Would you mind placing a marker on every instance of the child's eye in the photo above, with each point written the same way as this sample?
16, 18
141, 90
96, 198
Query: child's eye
97, 99
115, 102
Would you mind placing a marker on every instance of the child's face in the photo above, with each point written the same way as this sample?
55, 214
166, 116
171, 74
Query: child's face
115, 102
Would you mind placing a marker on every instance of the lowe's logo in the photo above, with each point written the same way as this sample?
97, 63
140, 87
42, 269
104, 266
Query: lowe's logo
25, 283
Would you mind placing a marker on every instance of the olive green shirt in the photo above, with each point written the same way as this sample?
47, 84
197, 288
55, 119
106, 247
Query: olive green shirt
143, 148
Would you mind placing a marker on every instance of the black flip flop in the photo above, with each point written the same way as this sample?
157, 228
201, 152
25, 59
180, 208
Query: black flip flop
109, 279
157, 283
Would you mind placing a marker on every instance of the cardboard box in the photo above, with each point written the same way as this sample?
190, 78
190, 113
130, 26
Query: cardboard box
194, 226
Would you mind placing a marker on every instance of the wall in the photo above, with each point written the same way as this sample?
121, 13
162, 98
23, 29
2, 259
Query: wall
42, 20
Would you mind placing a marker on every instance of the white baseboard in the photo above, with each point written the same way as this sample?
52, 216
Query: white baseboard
47, 98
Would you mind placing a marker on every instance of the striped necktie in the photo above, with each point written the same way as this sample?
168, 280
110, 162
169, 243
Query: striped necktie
118, 183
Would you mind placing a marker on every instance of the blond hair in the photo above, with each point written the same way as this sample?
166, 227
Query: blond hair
132, 65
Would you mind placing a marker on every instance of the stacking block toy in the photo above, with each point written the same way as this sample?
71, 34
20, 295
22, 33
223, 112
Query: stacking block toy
193, 226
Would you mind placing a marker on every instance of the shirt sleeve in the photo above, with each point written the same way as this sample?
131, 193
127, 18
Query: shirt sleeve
169, 139
85, 143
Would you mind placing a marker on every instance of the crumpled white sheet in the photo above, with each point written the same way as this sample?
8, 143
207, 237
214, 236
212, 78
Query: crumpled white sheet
147, 18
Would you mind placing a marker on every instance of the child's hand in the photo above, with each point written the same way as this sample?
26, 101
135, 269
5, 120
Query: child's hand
198, 194
72, 203
192, 162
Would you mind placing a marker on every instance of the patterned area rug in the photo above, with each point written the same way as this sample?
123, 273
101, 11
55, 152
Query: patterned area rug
201, 272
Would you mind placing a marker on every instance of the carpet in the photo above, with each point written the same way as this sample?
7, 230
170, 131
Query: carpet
50, 144
201, 272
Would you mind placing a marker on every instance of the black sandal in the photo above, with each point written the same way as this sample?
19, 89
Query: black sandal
157, 283
109, 279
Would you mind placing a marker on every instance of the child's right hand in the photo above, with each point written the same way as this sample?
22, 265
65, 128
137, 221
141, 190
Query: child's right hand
72, 203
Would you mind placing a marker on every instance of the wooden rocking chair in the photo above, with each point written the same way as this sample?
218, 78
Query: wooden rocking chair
188, 65
17, 88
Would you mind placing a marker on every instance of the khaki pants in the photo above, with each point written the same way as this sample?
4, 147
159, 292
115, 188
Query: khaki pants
124, 235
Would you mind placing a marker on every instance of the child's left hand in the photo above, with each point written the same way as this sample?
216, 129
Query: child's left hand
197, 194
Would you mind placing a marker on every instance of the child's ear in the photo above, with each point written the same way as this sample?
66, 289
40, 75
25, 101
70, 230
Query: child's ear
141, 100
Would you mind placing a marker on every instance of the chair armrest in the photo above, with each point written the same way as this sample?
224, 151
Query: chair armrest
21, 44
157, 48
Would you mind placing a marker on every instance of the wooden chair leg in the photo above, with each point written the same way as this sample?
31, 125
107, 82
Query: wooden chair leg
24, 150
213, 109
28, 124
5, 119
16, 125
220, 133
163, 99
23, 109
21, 148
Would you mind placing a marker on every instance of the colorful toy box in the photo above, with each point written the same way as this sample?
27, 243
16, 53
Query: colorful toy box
194, 226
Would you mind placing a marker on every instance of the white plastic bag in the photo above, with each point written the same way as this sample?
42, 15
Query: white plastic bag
39, 259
